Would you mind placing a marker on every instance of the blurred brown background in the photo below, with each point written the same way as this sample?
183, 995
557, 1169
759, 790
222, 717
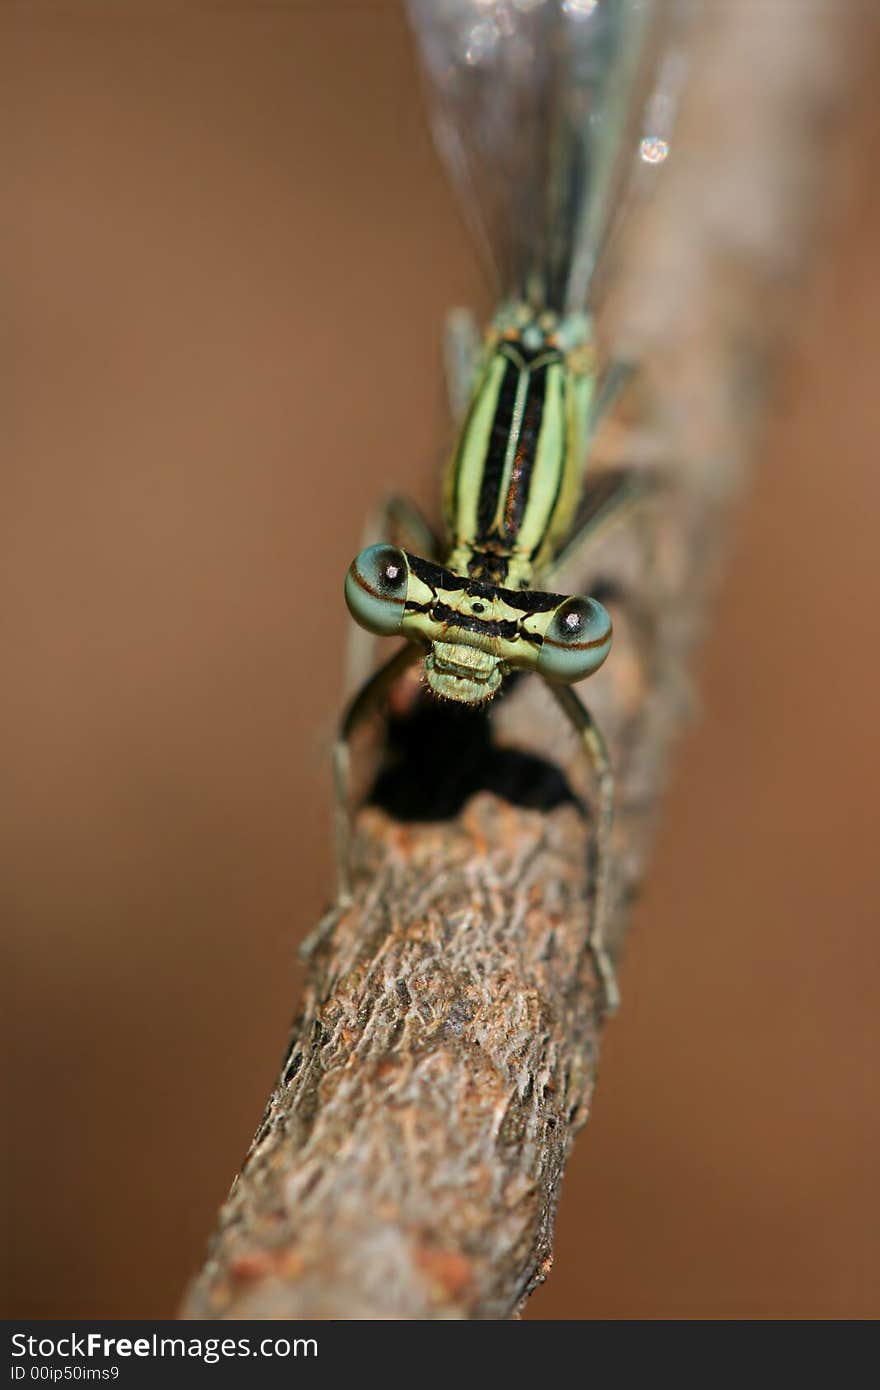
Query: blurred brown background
231, 251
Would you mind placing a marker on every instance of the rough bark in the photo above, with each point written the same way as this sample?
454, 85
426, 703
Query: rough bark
410, 1158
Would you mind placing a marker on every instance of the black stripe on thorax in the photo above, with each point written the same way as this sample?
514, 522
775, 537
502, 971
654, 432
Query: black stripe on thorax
496, 451
517, 498
512, 507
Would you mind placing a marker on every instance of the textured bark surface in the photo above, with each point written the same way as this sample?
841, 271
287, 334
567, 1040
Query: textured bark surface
410, 1158
446, 1049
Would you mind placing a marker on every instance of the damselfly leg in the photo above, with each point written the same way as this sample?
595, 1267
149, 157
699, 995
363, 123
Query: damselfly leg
366, 702
596, 751
614, 494
404, 525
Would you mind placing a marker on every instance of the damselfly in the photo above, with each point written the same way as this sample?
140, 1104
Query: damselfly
537, 107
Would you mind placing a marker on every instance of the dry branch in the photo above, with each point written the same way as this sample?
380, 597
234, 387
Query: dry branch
410, 1158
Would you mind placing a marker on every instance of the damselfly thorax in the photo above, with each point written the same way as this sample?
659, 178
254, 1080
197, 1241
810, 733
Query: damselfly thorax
511, 494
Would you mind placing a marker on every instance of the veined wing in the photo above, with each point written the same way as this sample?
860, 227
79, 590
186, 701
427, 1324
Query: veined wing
538, 108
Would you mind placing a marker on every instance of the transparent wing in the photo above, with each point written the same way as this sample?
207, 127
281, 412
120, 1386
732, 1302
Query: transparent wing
538, 108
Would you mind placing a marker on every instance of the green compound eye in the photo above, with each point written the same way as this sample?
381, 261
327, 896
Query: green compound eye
576, 642
375, 589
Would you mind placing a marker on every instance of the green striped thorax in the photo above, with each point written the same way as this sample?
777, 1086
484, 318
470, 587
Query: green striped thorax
512, 489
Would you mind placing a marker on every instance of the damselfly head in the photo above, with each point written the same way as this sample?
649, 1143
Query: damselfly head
475, 633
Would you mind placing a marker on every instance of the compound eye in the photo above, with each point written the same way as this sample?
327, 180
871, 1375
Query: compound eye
375, 589
577, 641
